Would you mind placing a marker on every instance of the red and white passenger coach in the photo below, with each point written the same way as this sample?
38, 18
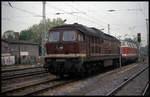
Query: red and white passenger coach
130, 51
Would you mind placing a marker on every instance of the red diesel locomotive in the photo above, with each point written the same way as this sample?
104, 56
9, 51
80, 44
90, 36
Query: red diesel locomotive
75, 49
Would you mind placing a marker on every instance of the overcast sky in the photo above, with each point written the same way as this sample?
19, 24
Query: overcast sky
127, 19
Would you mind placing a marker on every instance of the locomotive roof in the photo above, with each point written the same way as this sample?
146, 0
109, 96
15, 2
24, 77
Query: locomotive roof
86, 30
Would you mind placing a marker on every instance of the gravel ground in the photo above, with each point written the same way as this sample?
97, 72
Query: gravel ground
100, 85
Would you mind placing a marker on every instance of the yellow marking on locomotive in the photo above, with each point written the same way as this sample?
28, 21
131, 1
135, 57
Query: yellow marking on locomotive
104, 54
66, 55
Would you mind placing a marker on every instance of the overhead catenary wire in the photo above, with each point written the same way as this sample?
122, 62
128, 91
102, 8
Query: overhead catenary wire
118, 26
89, 20
88, 15
23, 10
85, 14
8, 19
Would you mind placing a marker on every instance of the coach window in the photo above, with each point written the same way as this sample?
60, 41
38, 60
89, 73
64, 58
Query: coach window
69, 36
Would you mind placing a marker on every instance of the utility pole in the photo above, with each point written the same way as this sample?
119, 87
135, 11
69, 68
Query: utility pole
108, 29
147, 24
44, 30
19, 52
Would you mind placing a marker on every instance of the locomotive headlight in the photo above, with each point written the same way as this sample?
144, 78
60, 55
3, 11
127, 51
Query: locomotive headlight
60, 46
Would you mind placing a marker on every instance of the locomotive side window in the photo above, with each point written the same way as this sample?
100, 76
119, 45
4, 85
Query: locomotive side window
80, 37
69, 36
54, 36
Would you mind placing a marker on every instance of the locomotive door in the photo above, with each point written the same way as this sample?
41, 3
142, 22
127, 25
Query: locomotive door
88, 46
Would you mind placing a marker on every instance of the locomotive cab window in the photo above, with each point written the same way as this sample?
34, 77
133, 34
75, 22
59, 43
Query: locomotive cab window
69, 36
54, 36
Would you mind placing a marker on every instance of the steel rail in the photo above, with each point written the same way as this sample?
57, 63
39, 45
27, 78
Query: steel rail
11, 70
115, 90
145, 89
22, 75
59, 84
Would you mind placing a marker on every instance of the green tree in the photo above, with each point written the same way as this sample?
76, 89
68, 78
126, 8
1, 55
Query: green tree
34, 33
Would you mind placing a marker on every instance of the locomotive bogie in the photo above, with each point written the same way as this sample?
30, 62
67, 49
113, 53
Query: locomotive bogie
60, 66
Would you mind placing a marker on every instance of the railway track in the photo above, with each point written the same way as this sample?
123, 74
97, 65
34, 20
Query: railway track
50, 87
34, 87
24, 72
40, 86
119, 87
22, 75
11, 70
146, 91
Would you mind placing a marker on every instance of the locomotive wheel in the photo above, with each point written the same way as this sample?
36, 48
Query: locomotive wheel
89, 72
61, 76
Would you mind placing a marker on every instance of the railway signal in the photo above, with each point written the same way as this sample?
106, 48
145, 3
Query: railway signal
139, 40
139, 37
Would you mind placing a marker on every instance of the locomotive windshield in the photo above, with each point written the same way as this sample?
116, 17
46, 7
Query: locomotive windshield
54, 36
69, 36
